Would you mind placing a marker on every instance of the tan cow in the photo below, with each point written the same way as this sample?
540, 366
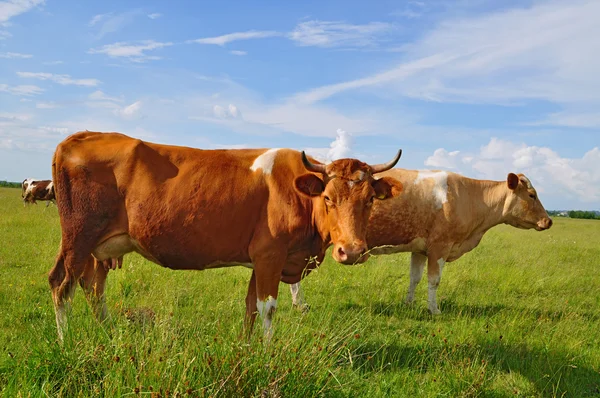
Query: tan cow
441, 215
185, 208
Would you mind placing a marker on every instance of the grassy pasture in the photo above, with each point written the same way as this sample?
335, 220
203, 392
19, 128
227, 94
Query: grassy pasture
521, 317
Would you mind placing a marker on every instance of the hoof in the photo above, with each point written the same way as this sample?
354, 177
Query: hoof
435, 311
304, 308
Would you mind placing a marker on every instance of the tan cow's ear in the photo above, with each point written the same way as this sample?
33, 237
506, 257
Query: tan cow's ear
512, 181
387, 187
309, 184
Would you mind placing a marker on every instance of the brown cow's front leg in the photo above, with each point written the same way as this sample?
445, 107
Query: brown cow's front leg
268, 270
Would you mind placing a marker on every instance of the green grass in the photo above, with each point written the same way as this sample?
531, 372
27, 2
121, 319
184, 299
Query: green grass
521, 317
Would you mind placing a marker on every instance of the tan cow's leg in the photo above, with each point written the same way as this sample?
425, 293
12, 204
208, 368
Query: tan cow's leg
417, 265
298, 297
435, 265
93, 281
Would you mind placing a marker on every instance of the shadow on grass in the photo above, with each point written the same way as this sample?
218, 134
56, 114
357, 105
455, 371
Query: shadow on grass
553, 373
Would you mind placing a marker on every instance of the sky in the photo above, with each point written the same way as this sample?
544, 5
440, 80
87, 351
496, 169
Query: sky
478, 87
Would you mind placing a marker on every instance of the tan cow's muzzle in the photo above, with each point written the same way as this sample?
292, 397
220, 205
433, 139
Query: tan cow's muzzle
544, 223
346, 254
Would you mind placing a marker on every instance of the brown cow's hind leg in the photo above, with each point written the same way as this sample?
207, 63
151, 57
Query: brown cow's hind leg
63, 280
93, 281
435, 265
250, 306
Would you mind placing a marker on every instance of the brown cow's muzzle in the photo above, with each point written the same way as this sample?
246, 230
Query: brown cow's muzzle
355, 253
544, 223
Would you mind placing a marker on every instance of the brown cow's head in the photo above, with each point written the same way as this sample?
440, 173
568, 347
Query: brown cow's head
345, 192
523, 208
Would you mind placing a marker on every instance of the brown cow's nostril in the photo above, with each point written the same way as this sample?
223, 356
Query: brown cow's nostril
549, 222
341, 252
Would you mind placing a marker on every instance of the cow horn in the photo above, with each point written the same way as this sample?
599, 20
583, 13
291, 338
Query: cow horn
317, 168
378, 168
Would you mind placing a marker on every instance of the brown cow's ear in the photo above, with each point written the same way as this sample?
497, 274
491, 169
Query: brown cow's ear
309, 184
387, 187
512, 181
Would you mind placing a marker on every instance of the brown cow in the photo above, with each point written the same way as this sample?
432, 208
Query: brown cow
34, 190
185, 208
441, 215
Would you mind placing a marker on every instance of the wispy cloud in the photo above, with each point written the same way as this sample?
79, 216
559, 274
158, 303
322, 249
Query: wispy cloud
112, 22
50, 63
238, 52
64, 80
130, 111
154, 15
101, 96
228, 38
133, 51
338, 34
12, 8
10, 55
47, 105
547, 51
26, 90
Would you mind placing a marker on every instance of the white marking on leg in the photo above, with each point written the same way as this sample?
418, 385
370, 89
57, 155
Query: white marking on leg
61, 310
297, 295
266, 309
265, 161
434, 282
440, 185
417, 265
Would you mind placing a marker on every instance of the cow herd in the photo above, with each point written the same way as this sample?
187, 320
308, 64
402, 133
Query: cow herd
275, 211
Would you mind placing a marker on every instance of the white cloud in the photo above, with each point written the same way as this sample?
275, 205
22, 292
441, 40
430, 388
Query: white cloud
443, 159
10, 55
224, 39
341, 147
552, 175
338, 34
4, 35
238, 52
26, 90
47, 105
133, 51
154, 15
53, 63
97, 18
64, 80
581, 119
12, 8
6, 116
130, 111
231, 112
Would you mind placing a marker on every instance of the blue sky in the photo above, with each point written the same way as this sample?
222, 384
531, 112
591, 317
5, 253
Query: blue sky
479, 87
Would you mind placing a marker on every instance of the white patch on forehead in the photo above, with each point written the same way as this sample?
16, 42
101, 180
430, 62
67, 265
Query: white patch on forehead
350, 184
265, 161
361, 175
440, 185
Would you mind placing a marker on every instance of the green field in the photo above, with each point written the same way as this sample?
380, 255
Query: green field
521, 317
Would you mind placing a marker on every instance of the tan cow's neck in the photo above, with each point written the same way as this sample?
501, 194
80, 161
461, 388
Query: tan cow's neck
491, 211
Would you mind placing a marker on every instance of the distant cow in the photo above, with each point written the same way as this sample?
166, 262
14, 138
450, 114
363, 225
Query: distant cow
185, 208
34, 190
441, 215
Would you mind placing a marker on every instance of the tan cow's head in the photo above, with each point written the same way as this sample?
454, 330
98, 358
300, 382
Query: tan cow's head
523, 208
344, 192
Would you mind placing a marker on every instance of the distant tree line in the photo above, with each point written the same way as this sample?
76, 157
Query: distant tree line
8, 184
590, 215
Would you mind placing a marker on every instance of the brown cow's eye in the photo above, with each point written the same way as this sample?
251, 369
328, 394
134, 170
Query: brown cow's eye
532, 196
327, 199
